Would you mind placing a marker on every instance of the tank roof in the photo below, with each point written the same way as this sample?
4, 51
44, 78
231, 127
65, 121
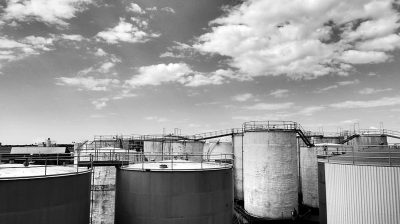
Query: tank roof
177, 165
19, 170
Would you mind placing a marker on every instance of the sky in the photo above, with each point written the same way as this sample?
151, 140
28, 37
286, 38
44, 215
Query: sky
72, 69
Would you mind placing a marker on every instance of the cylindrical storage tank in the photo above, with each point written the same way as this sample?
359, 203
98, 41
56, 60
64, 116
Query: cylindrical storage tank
237, 142
103, 198
190, 193
270, 173
309, 169
362, 193
35, 194
218, 151
162, 150
369, 141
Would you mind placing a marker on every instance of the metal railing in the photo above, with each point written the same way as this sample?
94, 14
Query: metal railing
39, 165
383, 155
268, 125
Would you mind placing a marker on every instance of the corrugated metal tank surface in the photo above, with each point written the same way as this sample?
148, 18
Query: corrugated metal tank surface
360, 194
237, 142
172, 197
270, 173
178, 148
216, 151
309, 170
103, 199
61, 199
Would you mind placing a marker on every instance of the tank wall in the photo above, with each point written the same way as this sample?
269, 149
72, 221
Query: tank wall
103, 200
237, 142
362, 194
322, 193
309, 176
61, 200
183, 149
195, 197
218, 151
335, 140
270, 172
373, 140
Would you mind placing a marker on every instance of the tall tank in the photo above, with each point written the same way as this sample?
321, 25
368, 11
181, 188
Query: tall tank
174, 192
309, 169
189, 150
35, 194
361, 191
270, 173
103, 195
237, 142
218, 151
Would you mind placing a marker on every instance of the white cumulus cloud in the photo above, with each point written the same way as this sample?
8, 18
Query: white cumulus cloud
304, 38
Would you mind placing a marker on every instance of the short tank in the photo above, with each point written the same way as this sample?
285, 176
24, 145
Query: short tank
218, 151
237, 142
35, 194
162, 150
270, 173
309, 169
174, 192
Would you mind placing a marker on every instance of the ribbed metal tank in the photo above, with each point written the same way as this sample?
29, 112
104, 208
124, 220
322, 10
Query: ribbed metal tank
218, 151
309, 170
27, 195
183, 149
237, 142
195, 193
360, 193
270, 173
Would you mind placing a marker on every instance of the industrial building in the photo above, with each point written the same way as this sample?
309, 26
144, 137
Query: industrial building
262, 172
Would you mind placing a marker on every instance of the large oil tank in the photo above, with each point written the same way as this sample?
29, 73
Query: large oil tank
174, 192
270, 173
35, 194
163, 149
218, 151
364, 191
309, 169
237, 142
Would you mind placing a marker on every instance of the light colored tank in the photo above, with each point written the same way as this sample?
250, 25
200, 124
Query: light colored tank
35, 194
189, 192
237, 142
369, 141
103, 195
218, 151
366, 192
309, 170
162, 150
270, 172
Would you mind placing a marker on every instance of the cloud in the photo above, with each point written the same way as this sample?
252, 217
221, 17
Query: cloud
88, 83
125, 32
155, 118
179, 50
133, 7
73, 37
382, 102
13, 50
279, 93
154, 75
337, 85
269, 106
308, 111
304, 39
100, 103
100, 52
368, 91
242, 97
168, 9
49, 12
